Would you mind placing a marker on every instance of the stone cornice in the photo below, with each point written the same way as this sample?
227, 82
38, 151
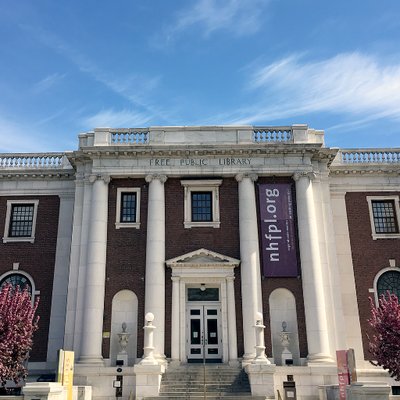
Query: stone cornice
313, 151
365, 170
37, 174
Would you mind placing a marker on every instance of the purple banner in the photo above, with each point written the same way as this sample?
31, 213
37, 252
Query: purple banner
279, 252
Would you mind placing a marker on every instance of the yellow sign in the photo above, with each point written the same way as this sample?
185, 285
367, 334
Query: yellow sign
66, 371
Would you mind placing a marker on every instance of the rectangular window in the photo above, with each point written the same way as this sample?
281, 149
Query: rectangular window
201, 206
201, 203
20, 222
128, 208
384, 214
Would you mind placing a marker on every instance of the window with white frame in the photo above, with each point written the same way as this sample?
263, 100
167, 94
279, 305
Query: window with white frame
128, 208
201, 203
20, 223
388, 279
384, 214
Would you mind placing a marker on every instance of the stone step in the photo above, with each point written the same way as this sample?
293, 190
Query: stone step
209, 397
213, 382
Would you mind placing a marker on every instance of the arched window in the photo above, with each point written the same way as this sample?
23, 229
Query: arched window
389, 281
17, 279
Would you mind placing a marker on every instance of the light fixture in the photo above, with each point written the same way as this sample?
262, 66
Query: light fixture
203, 287
149, 317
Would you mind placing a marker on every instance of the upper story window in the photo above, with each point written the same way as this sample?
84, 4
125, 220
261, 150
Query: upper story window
384, 214
20, 223
201, 203
201, 206
128, 208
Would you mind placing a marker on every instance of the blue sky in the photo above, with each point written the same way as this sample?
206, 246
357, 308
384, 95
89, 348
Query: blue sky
69, 66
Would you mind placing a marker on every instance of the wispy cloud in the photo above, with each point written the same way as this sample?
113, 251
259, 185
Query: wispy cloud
47, 82
18, 137
120, 118
236, 16
353, 84
135, 88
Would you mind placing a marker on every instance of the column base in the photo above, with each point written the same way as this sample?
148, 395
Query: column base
319, 359
261, 377
91, 360
148, 380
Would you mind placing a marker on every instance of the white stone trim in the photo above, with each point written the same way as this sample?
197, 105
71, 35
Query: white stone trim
207, 185
374, 290
214, 270
10, 203
118, 223
375, 235
27, 276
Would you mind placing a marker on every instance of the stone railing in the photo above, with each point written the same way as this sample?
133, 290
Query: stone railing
203, 135
34, 161
130, 137
368, 156
277, 134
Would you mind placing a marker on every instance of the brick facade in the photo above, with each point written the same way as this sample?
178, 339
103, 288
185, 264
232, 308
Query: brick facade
369, 256
37, 259
126, 258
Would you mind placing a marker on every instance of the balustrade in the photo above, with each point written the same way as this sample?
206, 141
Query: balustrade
370, 156
272, 134
29, 161
130, 137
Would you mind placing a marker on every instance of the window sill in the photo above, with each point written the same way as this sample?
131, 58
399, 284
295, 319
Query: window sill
377, 236
18, 239
215, 224
119, 225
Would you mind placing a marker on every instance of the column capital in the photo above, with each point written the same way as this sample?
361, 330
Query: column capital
104, 177
151, 177
252, 176
230, 278
175, 278
311, 175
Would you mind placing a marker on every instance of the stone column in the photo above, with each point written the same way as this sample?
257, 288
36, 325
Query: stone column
155, 259
230, 294
250, 260
72, 295
95, 273
60, 283
175, 319
313, 285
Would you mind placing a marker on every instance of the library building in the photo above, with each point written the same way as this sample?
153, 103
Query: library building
204, 261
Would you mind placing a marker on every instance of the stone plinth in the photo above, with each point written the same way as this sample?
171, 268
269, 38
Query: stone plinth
261, 377
368, 391
44, 391
148, 380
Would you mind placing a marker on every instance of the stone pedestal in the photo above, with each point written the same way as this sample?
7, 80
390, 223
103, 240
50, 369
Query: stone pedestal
44, 391
261, 377
148, 380
368, 391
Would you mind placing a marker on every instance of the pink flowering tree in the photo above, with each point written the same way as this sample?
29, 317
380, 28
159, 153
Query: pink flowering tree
17, 325
385, 343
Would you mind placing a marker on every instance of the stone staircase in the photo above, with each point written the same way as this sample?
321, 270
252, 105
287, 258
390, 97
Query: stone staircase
210, 381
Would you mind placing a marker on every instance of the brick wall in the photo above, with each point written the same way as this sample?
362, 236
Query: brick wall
126, 258
224, 240
294, 285
369, 256
37, 259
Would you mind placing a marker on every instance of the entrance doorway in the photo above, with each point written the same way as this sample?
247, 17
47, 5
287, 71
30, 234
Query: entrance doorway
204, 333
